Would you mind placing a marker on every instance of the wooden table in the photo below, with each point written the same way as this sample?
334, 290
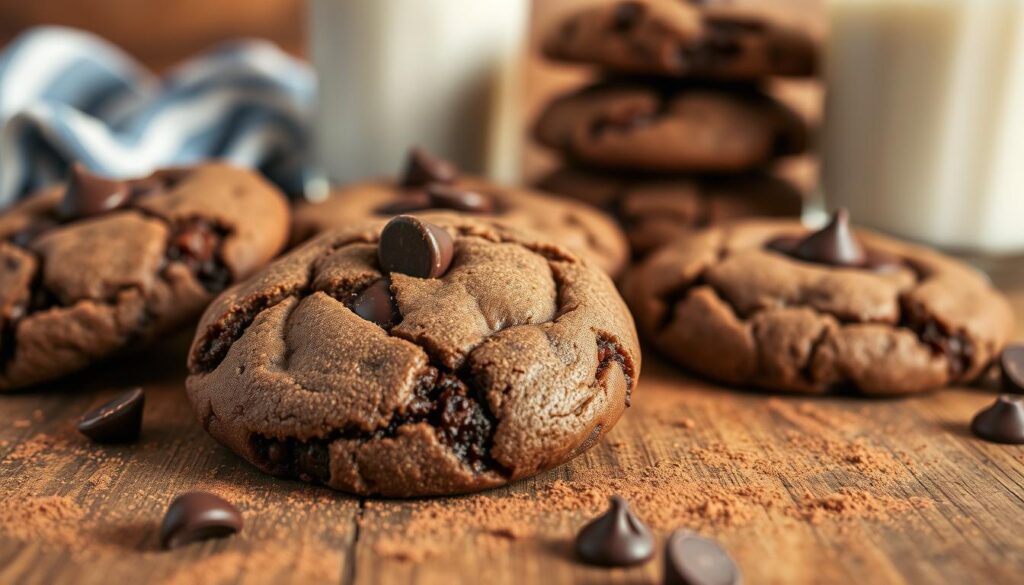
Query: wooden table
800, 490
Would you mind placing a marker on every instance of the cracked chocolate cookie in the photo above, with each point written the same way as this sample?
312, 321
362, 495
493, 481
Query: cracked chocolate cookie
580, 228
654, 210
770, 305
671, 127
686, 39
99, 266
418, 359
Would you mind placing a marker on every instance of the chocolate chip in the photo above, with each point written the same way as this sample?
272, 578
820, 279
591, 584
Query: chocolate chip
422, 169
415, 247
627, 15
88, 194
617, 538
691, 559
117, 421
834, 244
1011, 365
448, 197
195, 244
377, 304
1002, 422
196, 516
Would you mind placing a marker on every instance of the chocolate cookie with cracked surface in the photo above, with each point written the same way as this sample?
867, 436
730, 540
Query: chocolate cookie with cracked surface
99, 266
770, 305
654, 210
586, 231
716, 40
324, 368
633, 125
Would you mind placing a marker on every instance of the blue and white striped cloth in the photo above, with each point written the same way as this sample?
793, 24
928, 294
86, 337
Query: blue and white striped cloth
66, 95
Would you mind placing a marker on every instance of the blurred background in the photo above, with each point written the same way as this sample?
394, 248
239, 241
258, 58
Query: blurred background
161, 34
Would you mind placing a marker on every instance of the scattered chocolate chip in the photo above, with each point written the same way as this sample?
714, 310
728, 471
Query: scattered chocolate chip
376, 304
117, 421
691, 559
448, 197
627, 15
415, 247
196, 516
1002, 422
617, 538
422, 169
833, 244
1011, 365
88, 194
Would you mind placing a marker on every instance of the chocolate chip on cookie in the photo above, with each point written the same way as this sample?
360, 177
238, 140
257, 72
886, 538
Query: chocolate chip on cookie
834, 244
88, 194
327, 368
415, 247
97, 267
724, 302
422, 169
580, 228
376, 304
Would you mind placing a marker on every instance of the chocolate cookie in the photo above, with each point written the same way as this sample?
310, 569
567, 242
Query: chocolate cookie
587, 232
98, 266
768, 304
687, 39
671, 127
325, 367
655, 210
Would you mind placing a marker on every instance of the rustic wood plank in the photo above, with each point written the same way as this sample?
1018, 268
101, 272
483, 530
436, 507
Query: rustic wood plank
104, 503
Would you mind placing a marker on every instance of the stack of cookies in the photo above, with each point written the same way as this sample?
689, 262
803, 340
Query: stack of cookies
680, 133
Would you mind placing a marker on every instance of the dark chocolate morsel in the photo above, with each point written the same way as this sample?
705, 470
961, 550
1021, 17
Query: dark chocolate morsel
117, 421
422, 169
377, 304
197, 516
834, 244
1002, 422
1011, 365
448, 197
414, 247
617, 538
691, 559
88, 194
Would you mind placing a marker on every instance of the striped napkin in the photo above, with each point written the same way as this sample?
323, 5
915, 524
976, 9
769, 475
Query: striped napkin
66, 95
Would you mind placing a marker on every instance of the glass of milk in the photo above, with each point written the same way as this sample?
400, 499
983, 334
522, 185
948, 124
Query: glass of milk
441, 74
924, 123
